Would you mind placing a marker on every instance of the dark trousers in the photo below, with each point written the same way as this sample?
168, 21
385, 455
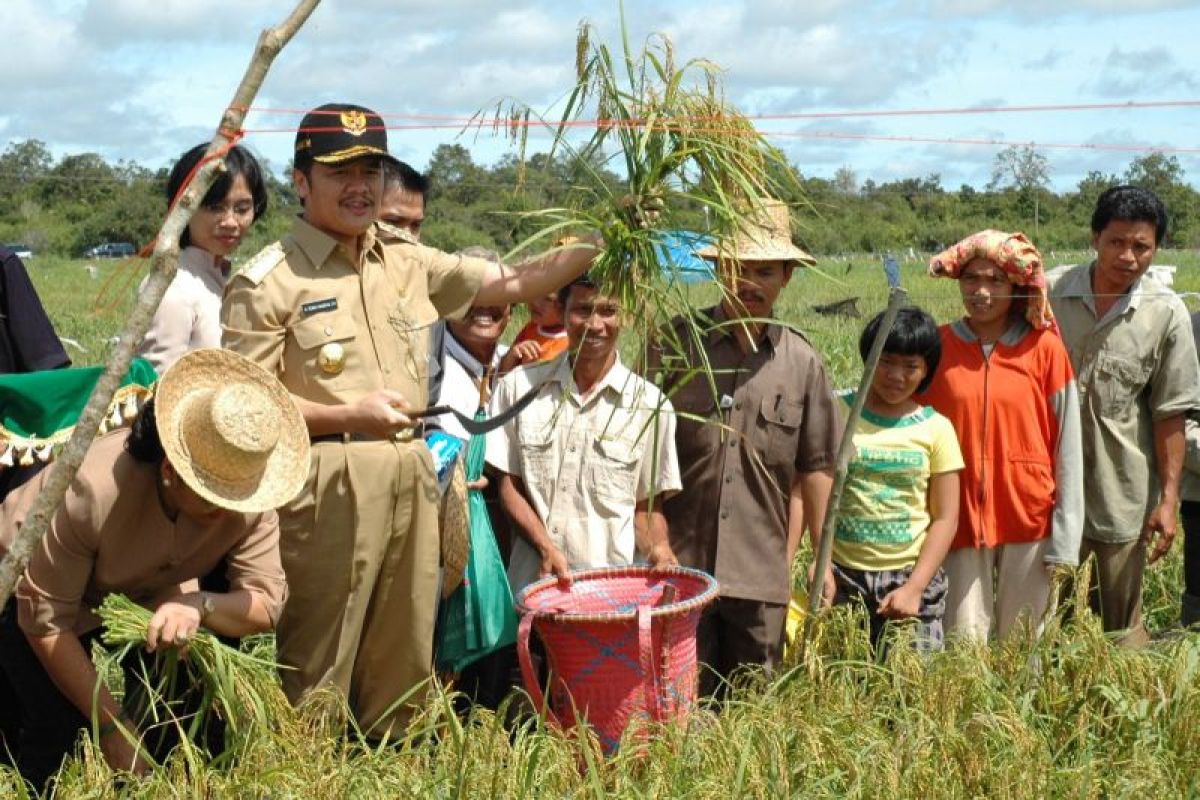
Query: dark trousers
736, 633
45, 725
1189, 510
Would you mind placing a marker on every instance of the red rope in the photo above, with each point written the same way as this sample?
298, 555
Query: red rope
667, 126
908, 112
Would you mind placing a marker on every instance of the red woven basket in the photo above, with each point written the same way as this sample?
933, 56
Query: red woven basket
621, 642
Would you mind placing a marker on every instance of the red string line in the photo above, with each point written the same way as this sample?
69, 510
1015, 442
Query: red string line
832, 135
848, 114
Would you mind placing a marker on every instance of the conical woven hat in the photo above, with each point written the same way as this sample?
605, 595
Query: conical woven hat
231, 431
766, 236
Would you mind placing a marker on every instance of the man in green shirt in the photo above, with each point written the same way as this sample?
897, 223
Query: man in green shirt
1130, 342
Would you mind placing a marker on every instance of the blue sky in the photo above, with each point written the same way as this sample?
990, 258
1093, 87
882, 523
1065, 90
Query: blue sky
145, 79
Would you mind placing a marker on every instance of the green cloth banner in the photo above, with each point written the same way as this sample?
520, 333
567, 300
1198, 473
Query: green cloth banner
38, 410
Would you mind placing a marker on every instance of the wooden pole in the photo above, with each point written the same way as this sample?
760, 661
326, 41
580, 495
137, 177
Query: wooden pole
165, 262
897, 299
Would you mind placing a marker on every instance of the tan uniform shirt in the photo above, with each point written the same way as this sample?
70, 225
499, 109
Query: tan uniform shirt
111, 535
1133, 367
189, 317
293, 301
772, 416
586, 460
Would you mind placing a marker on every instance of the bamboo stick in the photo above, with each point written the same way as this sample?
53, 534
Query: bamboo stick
165, 262
897, 299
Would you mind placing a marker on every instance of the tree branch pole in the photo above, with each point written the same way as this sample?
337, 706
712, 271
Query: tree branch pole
897, 299
165, 263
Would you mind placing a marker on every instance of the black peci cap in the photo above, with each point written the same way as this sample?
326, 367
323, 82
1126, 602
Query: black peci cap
339, 132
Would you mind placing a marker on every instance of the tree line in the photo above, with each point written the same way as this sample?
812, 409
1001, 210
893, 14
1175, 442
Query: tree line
66, 205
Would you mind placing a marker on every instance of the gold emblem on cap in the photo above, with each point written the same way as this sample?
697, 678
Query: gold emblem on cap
331, 358
354, 122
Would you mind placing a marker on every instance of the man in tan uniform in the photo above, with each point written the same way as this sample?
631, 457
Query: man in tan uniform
340, 310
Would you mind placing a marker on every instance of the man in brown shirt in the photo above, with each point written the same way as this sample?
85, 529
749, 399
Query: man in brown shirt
756, 448
340, 311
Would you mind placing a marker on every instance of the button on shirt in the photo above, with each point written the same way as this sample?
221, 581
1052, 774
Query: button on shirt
741, 443
111, 535
1133, 367
378, 310
189, 317
585, 460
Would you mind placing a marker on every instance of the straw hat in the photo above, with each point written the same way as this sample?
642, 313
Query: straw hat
765, 237
231, 431
456, 531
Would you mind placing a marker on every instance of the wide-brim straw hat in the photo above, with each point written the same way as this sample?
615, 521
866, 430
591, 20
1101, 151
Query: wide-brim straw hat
766, 235
456, 531
231, 431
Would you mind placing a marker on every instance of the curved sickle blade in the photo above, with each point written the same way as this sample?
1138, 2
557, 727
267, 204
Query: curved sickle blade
476, 427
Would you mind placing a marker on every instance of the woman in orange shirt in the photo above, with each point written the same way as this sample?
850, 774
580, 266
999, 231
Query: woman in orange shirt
1006, 383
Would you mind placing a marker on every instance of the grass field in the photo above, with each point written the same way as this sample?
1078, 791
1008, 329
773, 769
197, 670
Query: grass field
1067, 716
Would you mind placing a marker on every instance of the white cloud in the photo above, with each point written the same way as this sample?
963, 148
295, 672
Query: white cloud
143, 79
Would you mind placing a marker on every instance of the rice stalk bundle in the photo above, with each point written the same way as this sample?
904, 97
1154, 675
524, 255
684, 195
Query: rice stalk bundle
688, 160
235, 686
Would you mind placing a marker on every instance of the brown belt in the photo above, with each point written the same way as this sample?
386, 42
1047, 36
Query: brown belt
347, 437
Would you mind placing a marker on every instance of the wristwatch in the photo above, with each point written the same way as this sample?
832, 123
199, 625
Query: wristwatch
207, 606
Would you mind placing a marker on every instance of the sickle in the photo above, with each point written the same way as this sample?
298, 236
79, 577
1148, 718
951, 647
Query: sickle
474, 426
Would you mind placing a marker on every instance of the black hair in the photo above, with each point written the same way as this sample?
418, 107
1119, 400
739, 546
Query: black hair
584, 280
398, 172
1131, 204
143, 442
238, 161
914, 334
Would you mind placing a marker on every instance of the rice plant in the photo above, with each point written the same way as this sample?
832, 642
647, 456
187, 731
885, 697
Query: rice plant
233, 686
687, 159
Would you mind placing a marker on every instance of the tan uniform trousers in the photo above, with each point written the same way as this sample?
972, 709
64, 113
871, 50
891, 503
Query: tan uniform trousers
360, 548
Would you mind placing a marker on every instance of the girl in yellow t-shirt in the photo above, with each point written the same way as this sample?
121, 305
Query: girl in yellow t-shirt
899, 507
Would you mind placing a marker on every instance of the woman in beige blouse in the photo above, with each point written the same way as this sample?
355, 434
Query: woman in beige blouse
189, 316
152, 509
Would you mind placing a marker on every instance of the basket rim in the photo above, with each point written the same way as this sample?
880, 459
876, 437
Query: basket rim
711, 590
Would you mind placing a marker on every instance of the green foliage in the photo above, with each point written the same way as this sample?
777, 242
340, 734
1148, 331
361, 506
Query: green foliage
65, 207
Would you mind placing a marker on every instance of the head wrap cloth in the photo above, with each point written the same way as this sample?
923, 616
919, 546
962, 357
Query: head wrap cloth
1014, 254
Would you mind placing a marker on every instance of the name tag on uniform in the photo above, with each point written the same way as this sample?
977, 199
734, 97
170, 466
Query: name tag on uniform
317, 306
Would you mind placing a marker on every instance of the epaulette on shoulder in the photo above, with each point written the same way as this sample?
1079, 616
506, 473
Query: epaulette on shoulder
259, 267
386, 232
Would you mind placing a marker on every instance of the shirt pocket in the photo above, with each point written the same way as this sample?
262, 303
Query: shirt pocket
778, 428
614, 467
327, 332
536, 443
1029, 493
1117, 382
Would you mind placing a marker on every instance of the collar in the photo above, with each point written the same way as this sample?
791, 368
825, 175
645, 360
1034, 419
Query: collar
1077, 283
618, 379
318, 246
1010, 338
455, 350
197, 259
724, 327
